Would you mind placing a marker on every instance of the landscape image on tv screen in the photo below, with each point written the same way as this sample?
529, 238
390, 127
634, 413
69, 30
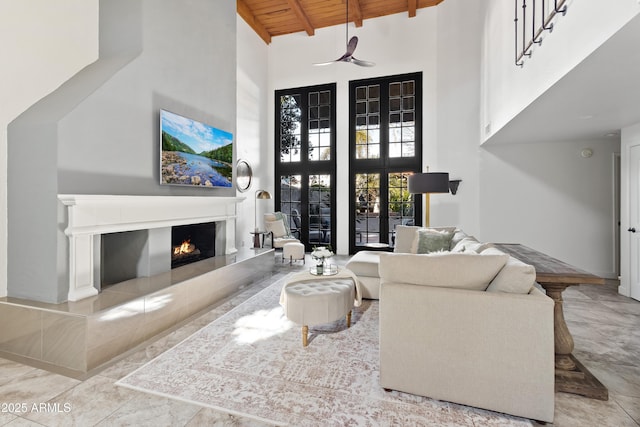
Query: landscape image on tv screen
193, 153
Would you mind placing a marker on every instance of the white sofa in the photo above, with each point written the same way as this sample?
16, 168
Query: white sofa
467, 326
364, 264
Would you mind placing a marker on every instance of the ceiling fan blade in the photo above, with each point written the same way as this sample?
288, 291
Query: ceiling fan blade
351, 46
344, 58
321, 64
348, 56
362, 63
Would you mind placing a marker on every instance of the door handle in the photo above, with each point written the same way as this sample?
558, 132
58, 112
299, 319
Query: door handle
632, 229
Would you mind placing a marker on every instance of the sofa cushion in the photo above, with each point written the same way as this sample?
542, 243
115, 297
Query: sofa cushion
443, 269
364, 263
429, 240
515, 277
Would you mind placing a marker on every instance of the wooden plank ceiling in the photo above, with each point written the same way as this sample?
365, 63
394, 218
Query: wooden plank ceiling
271, 18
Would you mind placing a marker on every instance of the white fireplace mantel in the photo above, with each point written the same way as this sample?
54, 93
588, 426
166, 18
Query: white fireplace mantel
90, 215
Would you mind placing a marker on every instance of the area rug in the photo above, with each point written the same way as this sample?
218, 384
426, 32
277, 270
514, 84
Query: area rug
251, 362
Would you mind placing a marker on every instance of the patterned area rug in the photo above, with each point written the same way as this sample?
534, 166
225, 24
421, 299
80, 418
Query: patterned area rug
251, 362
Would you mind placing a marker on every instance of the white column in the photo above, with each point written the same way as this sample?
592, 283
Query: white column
81, 267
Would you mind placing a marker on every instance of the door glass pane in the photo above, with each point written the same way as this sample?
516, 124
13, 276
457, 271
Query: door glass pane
402, 119
368, 122
319, 125
367, 208
319, 210
291, 201
401, 203
290, 116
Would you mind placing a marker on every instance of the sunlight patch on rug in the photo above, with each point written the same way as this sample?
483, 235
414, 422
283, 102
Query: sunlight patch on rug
251, 362
261, 325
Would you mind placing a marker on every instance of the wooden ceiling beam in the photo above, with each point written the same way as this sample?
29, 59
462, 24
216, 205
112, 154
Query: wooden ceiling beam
302, 16
355, 12
413, 6
247, 15
271, 18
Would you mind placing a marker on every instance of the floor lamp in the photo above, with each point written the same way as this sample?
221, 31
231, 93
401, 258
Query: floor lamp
260, 195
427, 183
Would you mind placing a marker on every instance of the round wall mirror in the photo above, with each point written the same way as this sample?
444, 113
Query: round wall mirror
244, 175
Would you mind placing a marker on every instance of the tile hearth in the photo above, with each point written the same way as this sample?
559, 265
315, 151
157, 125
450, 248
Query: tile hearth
605, 326
74, 338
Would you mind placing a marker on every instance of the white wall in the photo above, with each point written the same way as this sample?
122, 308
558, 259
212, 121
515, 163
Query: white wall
43, 44
508, 89
252, 138
548, 197
545, 195
397, 44
458, 94
99, 132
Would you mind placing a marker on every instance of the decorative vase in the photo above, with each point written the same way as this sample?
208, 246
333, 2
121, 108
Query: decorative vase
320, 266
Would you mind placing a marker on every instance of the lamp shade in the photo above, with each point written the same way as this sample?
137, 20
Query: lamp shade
263, 194
428, 182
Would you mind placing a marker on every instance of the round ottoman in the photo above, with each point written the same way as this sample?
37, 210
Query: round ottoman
293, 250
318, 301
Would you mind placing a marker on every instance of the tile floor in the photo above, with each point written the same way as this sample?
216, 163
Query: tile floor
605, 327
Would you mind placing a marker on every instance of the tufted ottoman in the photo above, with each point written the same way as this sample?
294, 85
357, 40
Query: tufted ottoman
312, 300
293, 250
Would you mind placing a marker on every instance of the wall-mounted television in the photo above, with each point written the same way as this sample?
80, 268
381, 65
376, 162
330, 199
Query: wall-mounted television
193, 153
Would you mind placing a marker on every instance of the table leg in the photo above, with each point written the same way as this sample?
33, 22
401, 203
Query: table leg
562, 337
349, 319
256, 241
305, 334
571, 375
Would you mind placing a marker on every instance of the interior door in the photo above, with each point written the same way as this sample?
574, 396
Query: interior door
634, 221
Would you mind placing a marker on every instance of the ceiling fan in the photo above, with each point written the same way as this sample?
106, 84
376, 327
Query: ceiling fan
351, 47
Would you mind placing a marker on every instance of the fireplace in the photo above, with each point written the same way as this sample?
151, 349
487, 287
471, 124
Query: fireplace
88, 218
192, 242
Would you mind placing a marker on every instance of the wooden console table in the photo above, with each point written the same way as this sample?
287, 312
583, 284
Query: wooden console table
555, 276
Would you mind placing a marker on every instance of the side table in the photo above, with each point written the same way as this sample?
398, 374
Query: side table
258, 238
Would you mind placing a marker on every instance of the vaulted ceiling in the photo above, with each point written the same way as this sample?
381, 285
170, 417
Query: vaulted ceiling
271, 18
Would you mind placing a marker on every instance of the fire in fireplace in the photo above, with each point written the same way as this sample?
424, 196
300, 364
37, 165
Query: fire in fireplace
184, 252
192, 242
186, 248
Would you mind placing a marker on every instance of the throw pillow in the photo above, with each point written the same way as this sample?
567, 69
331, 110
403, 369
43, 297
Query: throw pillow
276, 227
283, 218
515, 277
457, 236
404, 237
470, 244
429, 240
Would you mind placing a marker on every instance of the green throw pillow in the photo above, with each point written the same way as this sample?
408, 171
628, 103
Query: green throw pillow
433, 241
